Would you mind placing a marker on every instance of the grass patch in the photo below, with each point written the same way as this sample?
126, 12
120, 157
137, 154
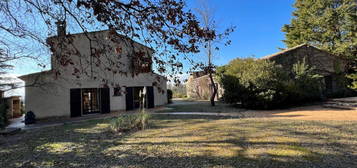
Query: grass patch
201, 106
187, 141
127, 122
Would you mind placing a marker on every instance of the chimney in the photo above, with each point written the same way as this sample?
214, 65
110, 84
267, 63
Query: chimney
61, 28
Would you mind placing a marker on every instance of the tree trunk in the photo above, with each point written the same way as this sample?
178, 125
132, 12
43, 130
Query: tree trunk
210, 71
214, 89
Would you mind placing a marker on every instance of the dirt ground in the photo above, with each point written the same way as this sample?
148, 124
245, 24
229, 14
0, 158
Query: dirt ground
315, 112
310, 112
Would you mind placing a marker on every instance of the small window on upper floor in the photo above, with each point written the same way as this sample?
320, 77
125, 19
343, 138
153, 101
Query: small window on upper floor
145, 65
142, 63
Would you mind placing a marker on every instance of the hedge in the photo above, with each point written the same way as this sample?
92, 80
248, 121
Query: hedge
261, 84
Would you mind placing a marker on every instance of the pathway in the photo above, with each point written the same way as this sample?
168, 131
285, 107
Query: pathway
202, 114
18, 122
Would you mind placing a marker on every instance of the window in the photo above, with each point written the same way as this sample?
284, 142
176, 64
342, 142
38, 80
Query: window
143, 65
141, 62
117, 91
90, 101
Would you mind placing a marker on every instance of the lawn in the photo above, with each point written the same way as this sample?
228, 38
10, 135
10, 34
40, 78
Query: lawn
188, 141
200, 106
306, 112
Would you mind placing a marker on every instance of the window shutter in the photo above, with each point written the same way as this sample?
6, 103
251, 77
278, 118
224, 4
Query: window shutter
129, 98
75, 102
105, 100
150, 97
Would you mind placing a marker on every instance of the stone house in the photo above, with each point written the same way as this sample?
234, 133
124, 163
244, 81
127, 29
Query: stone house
198, 86
79, 84
329, 66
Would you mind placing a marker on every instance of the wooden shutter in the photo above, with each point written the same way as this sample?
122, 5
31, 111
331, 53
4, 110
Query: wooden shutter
104, 100
150, 97
129, 98
75, 102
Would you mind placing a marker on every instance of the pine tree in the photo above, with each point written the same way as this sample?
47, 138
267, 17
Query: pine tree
328, 24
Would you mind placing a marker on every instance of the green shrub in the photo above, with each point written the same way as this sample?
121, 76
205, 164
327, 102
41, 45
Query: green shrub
169, 96
3, 115
179, 95
232, 89
304, 86
22, 108
127, 122
179, 91
353, 80
261, 84
254, 83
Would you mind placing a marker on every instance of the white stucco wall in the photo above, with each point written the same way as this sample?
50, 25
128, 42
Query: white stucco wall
48, 99
52, 98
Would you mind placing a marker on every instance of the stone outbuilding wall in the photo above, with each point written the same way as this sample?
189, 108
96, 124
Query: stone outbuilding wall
199, 87
329, 66
325, 64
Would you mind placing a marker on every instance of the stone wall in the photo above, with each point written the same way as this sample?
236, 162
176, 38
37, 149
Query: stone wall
325, 64
200, 88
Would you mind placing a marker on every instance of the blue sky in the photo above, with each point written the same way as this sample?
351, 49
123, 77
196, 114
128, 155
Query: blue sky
258, 31
258, 22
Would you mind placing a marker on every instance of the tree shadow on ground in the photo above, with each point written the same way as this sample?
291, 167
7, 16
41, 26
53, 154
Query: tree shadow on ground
181, 141
303, 112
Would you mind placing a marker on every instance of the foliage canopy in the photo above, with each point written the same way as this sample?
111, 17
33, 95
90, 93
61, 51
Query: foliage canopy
166, 25
328, 24
262, 84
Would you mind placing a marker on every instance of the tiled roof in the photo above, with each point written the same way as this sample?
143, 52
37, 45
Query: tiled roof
285, 51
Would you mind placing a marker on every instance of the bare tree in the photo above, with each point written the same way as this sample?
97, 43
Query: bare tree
166, 25
208, 21
8, 82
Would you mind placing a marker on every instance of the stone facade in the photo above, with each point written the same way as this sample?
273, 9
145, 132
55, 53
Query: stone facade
199, 86
324, 63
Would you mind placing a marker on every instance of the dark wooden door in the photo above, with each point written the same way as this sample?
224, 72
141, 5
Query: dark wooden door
129, 98
104, 100
150, 97
75, 102
328, 84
